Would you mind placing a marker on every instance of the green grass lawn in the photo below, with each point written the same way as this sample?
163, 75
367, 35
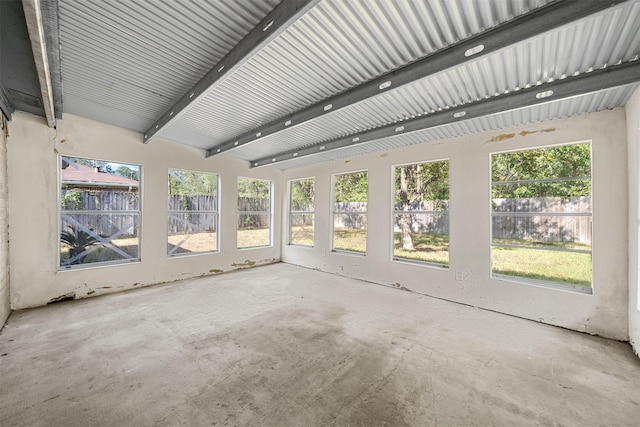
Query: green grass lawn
570, 268
350, 239
552, 266
302, 235
251, 237
430, 248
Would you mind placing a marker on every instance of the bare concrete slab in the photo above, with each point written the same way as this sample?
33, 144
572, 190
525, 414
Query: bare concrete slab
285, 346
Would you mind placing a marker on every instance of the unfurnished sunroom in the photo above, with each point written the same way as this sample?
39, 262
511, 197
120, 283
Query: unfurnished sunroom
480, 152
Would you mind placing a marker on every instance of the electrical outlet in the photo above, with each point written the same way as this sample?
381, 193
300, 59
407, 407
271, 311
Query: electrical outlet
459, 275
324, 252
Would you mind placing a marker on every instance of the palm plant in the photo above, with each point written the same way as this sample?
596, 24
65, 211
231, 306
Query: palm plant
77, 241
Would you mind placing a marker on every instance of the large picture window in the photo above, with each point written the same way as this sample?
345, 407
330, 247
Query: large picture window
541, 216
421, 212
350, 212
192, 212
301, 211
99, 212
254, 213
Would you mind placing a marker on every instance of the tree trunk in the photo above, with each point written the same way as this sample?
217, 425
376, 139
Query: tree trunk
405, 220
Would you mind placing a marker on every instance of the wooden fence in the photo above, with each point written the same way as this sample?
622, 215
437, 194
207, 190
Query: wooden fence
188, 214
515, 218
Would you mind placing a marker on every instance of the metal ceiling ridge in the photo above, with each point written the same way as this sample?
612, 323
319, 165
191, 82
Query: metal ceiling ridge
530, 24
276, 21
604, 78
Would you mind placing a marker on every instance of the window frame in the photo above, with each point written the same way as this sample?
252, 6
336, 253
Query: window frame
296, 212
60, 212
334, 212
395, 212
216, 213
584, 290
269, 213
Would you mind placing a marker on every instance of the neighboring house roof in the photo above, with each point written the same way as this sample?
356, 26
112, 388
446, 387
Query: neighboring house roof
91, 176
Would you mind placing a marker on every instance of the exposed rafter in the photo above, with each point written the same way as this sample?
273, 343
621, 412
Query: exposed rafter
617, 75
518, 29
35, 26
5, 104
277, 21
49, 11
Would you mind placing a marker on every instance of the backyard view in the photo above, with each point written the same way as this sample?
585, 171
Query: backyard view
421, 212
99, 211
254, 213
192, 212
302, 212
541, 214
351, 192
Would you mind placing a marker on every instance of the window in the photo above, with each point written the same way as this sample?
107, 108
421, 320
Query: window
421, 213
99, 212
541, 216
301, 212
350, 212
254, 213
192, 225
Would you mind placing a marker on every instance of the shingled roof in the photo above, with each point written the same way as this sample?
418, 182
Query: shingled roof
76, 173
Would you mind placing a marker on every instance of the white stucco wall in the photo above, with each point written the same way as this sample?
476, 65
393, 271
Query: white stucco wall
4, 226
33, 213
633, 140
604, 313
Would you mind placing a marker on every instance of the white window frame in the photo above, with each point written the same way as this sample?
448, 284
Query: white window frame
216, 213
103, 241
395, 212
335, 212
297, 212
269, 213
538, 282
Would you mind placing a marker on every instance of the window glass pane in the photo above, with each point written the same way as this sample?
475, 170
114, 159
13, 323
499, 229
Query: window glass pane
302, 229
254, 213
350, 232
541, 221
421, 221
429, 238
301, 215
192, 212
571, 268
192, 232
99, 212
253, 195
302, 195
350, 212
253, 230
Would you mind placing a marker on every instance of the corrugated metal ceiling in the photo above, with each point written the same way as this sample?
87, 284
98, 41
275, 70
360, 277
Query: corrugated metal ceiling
596, 101
126, 62
334, 47
592, 43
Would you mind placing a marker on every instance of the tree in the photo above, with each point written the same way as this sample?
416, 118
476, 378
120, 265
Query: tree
302, 194
352, 187
127, 172
187, 183
415, 185
563, 171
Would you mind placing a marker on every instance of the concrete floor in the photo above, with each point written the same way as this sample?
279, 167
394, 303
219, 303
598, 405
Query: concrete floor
285, 346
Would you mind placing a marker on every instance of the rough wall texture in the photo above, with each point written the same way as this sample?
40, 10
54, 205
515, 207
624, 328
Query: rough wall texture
633, 143
34, 214
468, 279
4, 226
